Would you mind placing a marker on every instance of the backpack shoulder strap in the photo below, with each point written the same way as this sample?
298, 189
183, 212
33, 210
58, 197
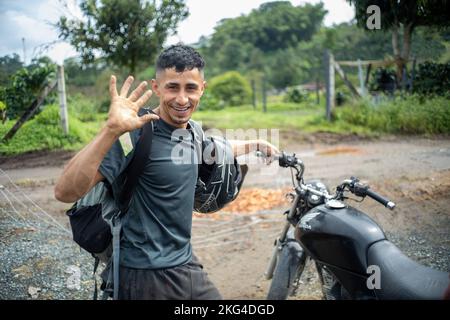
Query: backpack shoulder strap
136, 166
131, 176
199, 139
199, 134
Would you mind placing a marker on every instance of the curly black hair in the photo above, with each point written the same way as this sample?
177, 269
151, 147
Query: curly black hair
180, 57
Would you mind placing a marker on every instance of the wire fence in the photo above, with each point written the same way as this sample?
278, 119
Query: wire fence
19, 210
25, 212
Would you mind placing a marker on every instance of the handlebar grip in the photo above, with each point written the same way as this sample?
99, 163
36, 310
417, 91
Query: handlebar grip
385, 202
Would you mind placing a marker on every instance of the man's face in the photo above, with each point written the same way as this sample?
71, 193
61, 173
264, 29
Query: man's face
179, 94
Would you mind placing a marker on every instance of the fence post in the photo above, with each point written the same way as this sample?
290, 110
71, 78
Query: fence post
62, 100
347, 82
253, 93
413, 73
362, 89
369, 68
329, 80
264, 97
317, 91
404, 78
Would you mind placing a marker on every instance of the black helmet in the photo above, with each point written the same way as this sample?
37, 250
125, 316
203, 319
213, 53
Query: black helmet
220, 182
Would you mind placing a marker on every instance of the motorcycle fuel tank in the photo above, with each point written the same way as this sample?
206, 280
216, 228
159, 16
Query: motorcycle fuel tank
338, 236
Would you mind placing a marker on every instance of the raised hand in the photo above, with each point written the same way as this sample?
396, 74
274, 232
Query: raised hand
123, 111
268, 150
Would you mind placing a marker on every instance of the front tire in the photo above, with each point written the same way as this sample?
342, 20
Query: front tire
290, 265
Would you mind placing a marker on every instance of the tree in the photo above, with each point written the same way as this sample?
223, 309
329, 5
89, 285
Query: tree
8, 66
261, 42
287, 68
273, 26
125, 32
402, 17
26, 84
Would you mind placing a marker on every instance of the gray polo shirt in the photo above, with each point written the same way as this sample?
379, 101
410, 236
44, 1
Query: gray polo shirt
157, 228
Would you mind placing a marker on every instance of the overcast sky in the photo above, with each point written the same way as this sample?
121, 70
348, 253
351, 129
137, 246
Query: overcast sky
32, 20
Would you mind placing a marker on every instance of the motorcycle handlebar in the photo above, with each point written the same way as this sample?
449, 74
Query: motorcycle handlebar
363, 190
385, 202
286, 160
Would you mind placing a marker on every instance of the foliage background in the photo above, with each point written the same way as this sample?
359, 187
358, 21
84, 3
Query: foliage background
278, 43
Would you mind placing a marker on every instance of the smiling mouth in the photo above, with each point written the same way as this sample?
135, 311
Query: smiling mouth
181, 109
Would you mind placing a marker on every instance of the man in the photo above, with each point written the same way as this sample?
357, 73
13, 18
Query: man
156, 255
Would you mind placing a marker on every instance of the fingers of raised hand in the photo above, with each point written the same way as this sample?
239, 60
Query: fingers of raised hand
272, 150
137, 93
126, 86
113, 87
148, 117
144, 98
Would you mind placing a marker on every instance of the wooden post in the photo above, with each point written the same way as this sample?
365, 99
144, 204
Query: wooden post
329, 80
253, 93
369, 68
404, 77
317, 91
341, 73
362, 89
62, 100
30, 111
413, 72
264, 94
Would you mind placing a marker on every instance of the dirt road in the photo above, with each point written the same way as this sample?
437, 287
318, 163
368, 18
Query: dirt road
38, 261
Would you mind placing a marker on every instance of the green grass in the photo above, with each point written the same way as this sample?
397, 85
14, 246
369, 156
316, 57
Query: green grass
247, 117
44, 132
410, 114
401, 115
306, 117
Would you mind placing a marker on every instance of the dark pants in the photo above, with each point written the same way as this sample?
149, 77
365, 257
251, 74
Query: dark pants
185, 282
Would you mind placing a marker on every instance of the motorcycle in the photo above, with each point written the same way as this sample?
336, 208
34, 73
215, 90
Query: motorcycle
351, 253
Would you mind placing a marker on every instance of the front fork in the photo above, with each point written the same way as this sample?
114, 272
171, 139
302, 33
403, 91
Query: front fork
281, 240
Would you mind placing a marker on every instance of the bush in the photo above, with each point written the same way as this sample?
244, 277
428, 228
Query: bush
295, 95
432, 78
340, 98
412, 114
25, 85
231, 88
2, 111
44, 132
210, 102
383, 80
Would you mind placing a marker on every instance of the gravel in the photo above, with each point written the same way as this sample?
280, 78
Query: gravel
419, 247
36, 263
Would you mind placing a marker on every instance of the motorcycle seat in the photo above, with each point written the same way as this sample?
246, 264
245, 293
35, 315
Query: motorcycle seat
403, 278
